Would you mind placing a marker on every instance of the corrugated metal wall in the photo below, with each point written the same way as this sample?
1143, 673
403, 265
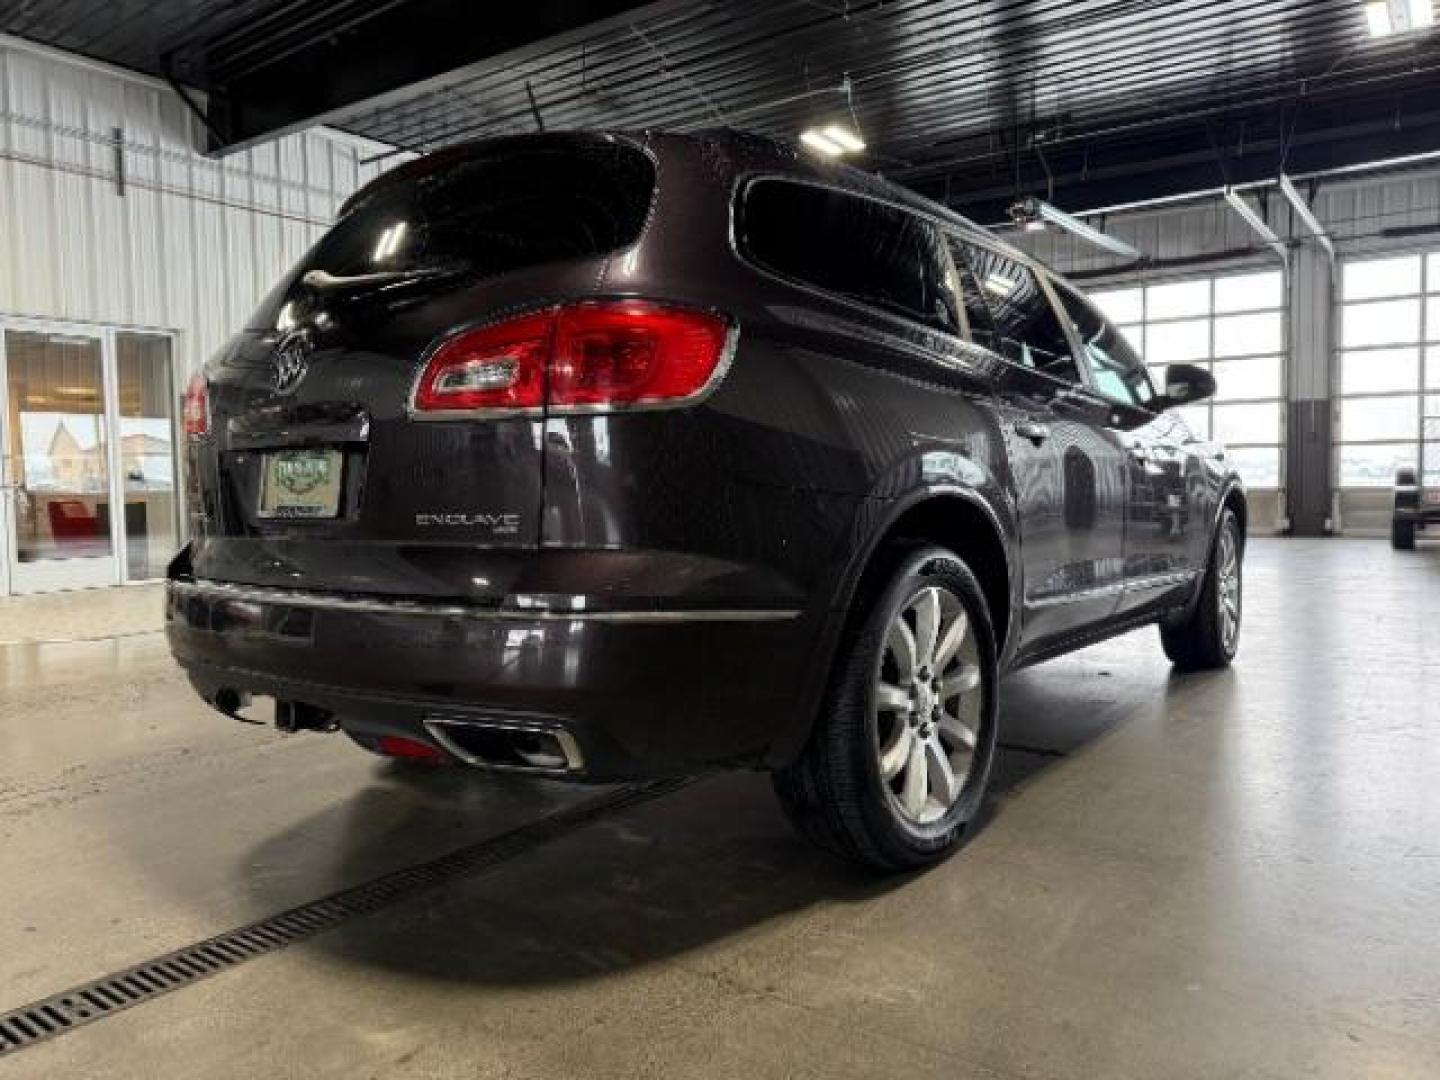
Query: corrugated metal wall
1356, 211
191, 244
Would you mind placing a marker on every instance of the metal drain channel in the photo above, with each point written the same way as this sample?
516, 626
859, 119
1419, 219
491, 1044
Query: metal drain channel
84, 1004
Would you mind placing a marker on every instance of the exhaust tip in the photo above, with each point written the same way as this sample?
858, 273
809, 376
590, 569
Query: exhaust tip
230, 701
506, 744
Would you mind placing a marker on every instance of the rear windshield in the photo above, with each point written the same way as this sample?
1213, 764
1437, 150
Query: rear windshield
846, 244
487, 215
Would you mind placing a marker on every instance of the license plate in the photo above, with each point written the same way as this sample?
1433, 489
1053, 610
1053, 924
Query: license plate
301, 484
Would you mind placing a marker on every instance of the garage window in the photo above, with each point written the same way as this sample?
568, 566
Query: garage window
1233, 325
1389, 366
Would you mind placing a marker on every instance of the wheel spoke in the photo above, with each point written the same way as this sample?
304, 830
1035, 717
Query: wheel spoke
927, 626
962, 681
942, 777
894, 756
917, 780
891, 698
955, 728
902, 646
951, 640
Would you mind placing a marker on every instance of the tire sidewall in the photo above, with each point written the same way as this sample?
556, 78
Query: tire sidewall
929, 565
1231, 524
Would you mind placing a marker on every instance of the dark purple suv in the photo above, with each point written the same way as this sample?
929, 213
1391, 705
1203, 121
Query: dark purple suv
617, 456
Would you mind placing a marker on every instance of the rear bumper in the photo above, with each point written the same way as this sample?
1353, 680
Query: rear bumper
641, 692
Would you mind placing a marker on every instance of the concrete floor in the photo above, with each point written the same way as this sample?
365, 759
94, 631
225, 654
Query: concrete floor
1223, 875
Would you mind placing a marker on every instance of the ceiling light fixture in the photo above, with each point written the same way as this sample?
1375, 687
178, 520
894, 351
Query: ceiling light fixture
832, 140
1032, 215
847, 139
1257, 223
1377, 14
1386, 17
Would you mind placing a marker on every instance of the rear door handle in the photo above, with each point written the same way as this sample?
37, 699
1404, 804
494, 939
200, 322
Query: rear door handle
1029, 429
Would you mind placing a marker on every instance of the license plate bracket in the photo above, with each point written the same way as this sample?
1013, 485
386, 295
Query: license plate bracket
303, 484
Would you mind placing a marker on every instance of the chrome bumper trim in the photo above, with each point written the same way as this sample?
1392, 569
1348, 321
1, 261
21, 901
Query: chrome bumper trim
300, 598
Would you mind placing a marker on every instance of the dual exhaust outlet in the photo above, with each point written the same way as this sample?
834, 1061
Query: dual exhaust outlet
500, 743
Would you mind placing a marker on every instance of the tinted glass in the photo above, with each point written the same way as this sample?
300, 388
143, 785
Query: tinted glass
850, 246
486, 215
1023, 325
1114, 368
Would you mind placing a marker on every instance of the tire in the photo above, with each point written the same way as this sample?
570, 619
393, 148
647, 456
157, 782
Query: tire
878, 716
1402, 534
1207, 639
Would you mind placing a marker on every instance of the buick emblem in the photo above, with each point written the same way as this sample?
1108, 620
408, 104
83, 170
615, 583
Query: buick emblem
292, 359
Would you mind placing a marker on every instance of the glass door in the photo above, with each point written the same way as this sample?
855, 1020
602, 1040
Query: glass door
57, 469
146, 417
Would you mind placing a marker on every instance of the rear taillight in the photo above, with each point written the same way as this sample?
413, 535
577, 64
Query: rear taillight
585, 357
500, 367
195, 416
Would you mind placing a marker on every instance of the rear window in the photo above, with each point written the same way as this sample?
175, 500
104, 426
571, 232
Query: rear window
487, 215
851, 246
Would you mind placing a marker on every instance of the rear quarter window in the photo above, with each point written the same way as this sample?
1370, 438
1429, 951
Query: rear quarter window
849, 246
487, 214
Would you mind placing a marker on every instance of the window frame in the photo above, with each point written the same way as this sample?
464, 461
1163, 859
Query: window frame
960, 231
1060, 286
1045, 278
1424, 345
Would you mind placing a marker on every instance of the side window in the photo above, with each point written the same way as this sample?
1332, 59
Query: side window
978, 319
1025, 328
1114, 368
851, 246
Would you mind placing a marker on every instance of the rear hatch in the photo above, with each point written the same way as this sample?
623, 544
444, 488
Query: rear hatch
311, 469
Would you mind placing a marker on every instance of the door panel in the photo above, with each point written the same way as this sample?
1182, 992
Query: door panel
146, 409
1069, 471
1167, 522
57, 469
1070, 489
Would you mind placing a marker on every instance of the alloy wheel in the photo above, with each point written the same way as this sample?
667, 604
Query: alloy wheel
927, 705
1228, 590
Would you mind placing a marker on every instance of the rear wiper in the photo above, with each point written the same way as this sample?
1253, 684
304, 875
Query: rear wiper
326, 282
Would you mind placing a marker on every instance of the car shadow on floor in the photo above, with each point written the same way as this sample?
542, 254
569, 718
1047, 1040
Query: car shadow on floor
711, 862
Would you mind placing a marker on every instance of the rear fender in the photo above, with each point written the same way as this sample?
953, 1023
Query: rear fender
873, 525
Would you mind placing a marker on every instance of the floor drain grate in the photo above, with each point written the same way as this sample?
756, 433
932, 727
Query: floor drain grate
110, 994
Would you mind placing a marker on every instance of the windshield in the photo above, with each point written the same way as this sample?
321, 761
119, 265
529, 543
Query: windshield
480, 216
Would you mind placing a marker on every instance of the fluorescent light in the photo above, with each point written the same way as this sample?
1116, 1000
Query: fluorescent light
817, 140
847, 139
1256, 222
1307, 216
1032, 215
1422, 14
1377, 13
999, 284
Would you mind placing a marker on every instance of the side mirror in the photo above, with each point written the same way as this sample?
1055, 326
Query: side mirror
1186, 384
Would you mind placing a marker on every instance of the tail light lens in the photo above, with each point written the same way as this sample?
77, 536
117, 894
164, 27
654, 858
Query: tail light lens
500, 367
591, 356
195, 415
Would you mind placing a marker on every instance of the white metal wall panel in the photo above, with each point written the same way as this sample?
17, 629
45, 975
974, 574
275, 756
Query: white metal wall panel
192, 243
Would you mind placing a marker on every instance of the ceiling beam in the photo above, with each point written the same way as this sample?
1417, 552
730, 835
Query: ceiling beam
265, 86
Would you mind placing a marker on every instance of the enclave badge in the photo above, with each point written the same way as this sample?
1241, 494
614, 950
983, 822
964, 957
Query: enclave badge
292, 359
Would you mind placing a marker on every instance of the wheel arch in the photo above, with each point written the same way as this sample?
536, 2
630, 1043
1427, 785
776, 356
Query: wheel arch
953, 517
1234, 499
